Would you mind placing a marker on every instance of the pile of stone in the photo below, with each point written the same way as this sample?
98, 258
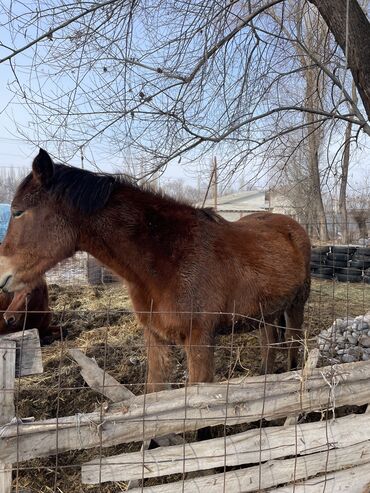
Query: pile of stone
347, 340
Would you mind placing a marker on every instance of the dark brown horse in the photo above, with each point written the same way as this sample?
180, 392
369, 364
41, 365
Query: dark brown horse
187, 269
28, 308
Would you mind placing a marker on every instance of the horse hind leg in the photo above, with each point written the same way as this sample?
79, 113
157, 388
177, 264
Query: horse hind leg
269, 339
295, 333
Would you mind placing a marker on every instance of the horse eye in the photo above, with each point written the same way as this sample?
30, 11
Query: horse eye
17, 213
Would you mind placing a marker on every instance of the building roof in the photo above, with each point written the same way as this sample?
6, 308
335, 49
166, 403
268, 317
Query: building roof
251, 200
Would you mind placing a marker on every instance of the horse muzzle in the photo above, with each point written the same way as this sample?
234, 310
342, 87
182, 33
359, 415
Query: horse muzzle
5, 283
6, 274
9, 321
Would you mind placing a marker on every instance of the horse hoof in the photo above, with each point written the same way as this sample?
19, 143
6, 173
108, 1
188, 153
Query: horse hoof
262, 370
52, 335
46, 341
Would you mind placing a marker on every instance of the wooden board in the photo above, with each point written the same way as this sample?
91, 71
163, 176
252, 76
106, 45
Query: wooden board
29, 360
272, 473
353, 480
205, 405
7, 410
309, 366
100, 380
250, 447
105, 384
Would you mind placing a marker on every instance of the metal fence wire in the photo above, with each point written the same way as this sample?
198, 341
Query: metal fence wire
76, 414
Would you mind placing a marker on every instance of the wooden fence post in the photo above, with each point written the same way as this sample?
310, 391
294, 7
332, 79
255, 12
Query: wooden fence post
7, 379
20, 355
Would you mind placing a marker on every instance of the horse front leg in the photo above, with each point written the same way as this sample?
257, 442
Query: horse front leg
200, 356
199, 347
159, 355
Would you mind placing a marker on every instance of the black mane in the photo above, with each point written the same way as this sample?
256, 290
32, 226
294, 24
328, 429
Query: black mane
86, 191
89, 192
83, 190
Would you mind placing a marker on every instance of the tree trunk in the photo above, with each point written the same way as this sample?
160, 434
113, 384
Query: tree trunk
318, 211
334, 13
344, 176
314, 139
343, 185
361, 218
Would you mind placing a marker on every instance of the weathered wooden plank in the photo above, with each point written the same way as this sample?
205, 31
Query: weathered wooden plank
5, 478
353, 480
275, 472
309, 366
82, 431
7, 378
7, 410
111, 388
206, 405
20, 355
249, 447
30, 358
108, 386
100, 380
105, 384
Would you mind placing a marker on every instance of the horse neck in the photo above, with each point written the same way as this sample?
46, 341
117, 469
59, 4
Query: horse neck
135, 233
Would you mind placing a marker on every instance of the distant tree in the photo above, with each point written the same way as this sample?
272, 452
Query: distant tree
359, 208
180, 190
9, 180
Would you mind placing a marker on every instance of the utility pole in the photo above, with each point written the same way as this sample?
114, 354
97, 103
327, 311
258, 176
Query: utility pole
82, 157
212, 181
214, 172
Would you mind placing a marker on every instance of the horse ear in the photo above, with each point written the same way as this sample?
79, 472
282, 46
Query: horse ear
43, 167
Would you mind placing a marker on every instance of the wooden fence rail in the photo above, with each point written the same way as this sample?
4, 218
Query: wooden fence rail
272, 473
293, 454
177, 411
251, 447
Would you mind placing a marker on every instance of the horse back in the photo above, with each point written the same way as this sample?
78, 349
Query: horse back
267, 264
258, 262
277, 232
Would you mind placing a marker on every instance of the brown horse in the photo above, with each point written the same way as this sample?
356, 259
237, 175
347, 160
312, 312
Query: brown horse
26, 309
188, 270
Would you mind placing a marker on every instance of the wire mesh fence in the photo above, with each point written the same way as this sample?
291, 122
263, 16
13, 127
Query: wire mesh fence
81, 269
77, 415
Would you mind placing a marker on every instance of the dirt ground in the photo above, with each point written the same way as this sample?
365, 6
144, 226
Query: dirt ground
99, 322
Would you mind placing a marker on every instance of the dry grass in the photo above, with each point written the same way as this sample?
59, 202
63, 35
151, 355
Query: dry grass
331, 299
100, 323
